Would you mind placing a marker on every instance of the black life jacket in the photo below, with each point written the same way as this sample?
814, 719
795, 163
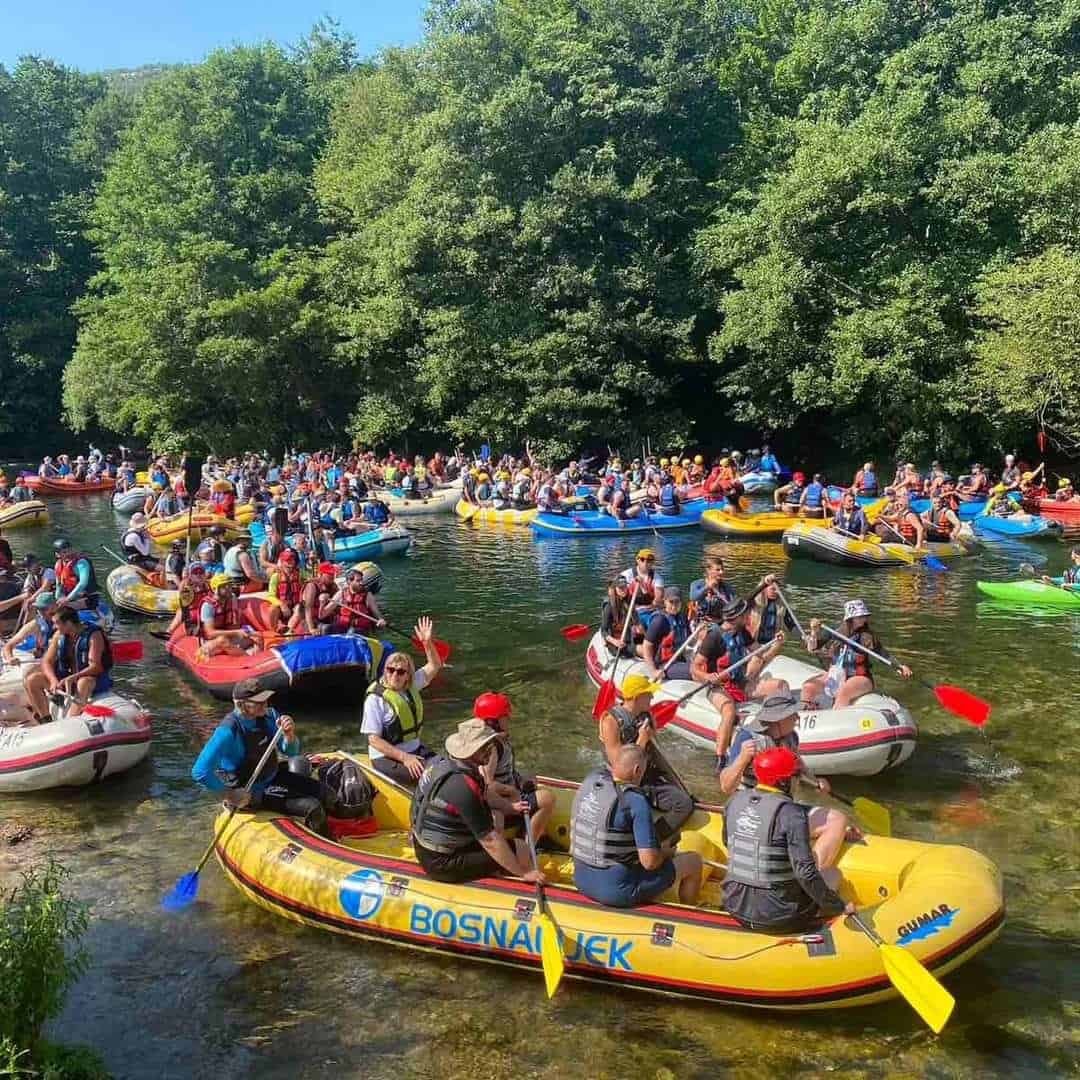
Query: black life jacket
255, 744
74, 656
436, 825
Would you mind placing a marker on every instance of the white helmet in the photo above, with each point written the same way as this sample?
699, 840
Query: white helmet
856, 609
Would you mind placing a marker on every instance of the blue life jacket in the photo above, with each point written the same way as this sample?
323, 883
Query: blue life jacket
869, 483
376, 513
794, 494
737, 645
669, 499
814, 495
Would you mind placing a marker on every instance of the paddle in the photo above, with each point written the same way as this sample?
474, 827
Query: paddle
577, 631
470, 511
916, 985
146, 575
664, 713
441, 647
605, 698
953, 699
929, 560
551, 952
184, 892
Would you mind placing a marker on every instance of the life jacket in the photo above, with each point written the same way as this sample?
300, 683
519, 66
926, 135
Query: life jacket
190, 612
166, 505
904, 527
868, 483
669, 499
737, 645
376, 513
521, 490
619, 502
408, 713
344, 621
1071, 576
436, 824
794, 494
594, 840
43, 634
768, 622
73, 657
231, 564
672, 641
289, 589
545, 497
505, 768
754, 858
227, 615
67, 577
815, 493
628, 723
130, 550
855, 661
255, 744
647, 591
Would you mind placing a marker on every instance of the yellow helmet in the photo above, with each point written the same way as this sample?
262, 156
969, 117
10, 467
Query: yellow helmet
999, 489
685, 461
218, 580
725, 461
1028, 476
698, 459
526, 472
663, 462
483, 478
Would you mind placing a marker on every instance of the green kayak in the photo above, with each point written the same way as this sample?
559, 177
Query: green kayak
1030, 592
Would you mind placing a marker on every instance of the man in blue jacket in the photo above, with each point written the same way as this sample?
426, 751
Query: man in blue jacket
229, 759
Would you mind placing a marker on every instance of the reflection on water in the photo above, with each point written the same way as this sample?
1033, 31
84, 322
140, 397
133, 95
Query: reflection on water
229, 991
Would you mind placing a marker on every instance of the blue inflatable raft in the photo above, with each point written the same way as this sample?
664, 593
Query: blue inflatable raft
601, 523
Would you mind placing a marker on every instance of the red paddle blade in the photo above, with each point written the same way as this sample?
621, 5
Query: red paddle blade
127, 650
101, 711
575, 633
604, 700
440, 647
960, 703
664, 713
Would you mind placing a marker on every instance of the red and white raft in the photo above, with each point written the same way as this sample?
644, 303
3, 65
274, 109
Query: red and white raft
874, 734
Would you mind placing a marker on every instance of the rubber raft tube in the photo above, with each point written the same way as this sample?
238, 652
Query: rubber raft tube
69, 487
22, 514
804, 540
294, 667
941, 902
599, 523
131, 592
874, 734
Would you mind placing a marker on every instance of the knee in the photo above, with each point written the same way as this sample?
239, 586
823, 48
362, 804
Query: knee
545, 799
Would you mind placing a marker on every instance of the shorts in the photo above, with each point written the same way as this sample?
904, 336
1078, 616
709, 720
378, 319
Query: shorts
736, 694
468, 864
621, 886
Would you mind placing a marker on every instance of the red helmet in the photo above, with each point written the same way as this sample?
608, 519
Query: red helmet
775, 765
287, 556
490, 706
799, 477
327, 568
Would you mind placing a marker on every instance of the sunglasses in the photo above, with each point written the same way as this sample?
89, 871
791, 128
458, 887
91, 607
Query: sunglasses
397, 671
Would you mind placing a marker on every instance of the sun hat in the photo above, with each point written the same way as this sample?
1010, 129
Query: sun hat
470, 738
856, 609
635, 685
774, 708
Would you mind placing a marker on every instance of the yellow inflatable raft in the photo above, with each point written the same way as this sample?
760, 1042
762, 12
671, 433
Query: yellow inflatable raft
769, 524
805, 540
942, 902
129, 591
21, 514
488, 515
166, 530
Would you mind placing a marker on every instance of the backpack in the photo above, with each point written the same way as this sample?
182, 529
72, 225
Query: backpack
351, 791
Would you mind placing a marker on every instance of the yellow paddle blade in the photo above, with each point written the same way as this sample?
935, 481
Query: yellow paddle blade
919, 988
551, 953
872, 510
874, 816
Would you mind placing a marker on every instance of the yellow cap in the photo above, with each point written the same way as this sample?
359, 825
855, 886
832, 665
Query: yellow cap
646, 553
663, 461
483, 478
1064, 482
634, 685
218, 580
526, 472
686, 461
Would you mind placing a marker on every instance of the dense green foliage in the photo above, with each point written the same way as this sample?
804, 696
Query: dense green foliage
583, 221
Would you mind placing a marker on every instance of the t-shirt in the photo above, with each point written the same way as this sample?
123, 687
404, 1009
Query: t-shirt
630, 576
633, 814
464, 795
378, 713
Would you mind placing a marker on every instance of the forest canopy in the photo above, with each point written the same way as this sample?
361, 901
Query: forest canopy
851, 222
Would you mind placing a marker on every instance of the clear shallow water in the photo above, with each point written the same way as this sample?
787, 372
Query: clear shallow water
227, 990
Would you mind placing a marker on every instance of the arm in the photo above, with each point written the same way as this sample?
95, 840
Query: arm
797, 834
18, 638
82, 569
650, 854
425, 630
609, 735
48, 661
494, 843
205, 769
731, 776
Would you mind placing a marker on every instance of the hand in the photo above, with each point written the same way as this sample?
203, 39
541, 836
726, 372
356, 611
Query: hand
521, 806
747, 751
904, 671
849, 908
853, 834
823, 785
779, 640
237, 798
1046, 580
287, 727
380, 623
424, 629
54, 684
414, 765
534, 876
713, 678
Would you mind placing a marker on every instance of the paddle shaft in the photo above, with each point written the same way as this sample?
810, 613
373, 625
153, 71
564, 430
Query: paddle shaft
622, 637
790, 611
708, 685
682, 648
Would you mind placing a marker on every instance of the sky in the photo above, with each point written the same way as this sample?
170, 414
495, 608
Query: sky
94, 36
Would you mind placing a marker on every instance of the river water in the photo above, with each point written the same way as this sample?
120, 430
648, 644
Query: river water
227, 990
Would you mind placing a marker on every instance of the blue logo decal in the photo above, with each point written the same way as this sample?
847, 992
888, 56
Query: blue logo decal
926, 925
361, 893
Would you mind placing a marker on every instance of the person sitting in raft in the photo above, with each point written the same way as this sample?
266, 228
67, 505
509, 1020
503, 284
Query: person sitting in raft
76, 582
166, 504
667, 497
789, 497
812, 500
725, 643
77, 662
231, 755
631, 724
211, 551
1065, 492
941, 521
769, 461
999, 504
850, 518
618, 858
697, 470
937, 480
650, 584
354, 609
774, 725
613, 613
1070, 578
507, 787
620, 506
175, 562
668, 631
194, 589
866, 481
773, 882
768, 616
315, 594
1032, 490
1010, 475
20, 492
40, 628
220, 625
135, 544
899, 523
452, 825
977, 486
240, 567
287, 588
223, 499
849, 676
393, 717
711, 586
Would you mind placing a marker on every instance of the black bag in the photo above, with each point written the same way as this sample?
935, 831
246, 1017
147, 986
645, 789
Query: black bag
351, 792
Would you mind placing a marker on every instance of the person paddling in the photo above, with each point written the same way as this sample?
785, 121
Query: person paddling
1070, 578
77, 662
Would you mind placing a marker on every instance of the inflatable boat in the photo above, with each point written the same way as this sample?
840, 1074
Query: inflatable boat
804, 540
600, 523
22, 514
129, 591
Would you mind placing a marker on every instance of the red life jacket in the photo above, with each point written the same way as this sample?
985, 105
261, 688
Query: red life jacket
227, 615
67, 577
191, 611
646, 592
347, 620
289, 589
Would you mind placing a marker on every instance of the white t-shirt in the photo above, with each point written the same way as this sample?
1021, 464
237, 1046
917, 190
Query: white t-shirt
630, 576
378, 713
137, 539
